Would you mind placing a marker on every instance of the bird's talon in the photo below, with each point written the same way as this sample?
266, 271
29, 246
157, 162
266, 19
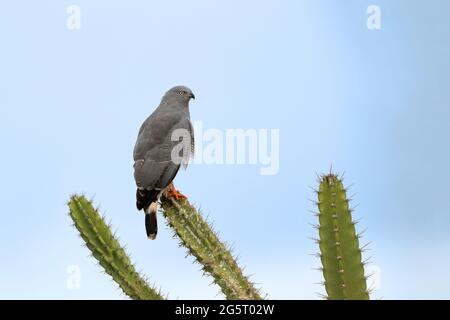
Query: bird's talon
176, 195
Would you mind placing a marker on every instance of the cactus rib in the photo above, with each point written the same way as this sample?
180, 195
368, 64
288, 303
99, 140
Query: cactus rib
340, 255
107, 250
203, 243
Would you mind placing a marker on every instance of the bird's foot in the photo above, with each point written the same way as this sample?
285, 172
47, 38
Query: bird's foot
174, 193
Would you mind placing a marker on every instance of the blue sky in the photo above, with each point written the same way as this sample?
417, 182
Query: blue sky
374, 104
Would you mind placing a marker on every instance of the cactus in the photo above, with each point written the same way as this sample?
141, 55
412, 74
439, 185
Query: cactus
194, 233
203, 243
107, 250
340, 253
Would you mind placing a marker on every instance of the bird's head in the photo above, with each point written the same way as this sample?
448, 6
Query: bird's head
180, 93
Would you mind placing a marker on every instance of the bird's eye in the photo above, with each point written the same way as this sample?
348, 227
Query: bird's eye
182, 93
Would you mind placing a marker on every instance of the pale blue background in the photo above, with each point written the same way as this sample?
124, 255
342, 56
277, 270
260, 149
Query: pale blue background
372, 103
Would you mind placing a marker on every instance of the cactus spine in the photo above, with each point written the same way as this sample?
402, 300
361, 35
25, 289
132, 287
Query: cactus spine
343, 269
107, 250
203, 243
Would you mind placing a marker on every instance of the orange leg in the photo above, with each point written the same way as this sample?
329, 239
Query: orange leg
171, 192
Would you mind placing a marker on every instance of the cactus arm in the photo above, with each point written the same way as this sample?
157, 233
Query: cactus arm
107, 250
343, 268
203, 243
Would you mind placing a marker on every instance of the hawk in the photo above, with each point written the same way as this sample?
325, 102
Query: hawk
164, 143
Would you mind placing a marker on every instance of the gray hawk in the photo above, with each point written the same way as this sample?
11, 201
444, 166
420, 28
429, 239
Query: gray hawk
164, 143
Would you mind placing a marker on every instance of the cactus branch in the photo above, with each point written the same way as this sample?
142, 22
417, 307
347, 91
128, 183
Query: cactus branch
203, 243
343, 269
107, 250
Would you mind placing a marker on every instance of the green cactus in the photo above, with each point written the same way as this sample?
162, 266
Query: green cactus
340, 254
203, 243
107, 250
194, 233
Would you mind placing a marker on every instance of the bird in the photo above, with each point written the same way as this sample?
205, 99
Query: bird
165, 142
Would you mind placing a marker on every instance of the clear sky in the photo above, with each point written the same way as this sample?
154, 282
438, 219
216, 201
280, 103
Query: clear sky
373, 103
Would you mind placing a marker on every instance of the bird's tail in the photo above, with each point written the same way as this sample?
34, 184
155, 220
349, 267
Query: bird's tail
151, 224
147, 200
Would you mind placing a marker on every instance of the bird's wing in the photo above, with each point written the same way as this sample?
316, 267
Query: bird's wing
154, 132
154, 167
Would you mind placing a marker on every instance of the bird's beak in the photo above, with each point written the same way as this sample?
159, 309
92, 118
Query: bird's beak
192, 96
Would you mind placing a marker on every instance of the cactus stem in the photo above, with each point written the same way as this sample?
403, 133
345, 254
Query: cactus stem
105, 247
202, 242
343, 269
